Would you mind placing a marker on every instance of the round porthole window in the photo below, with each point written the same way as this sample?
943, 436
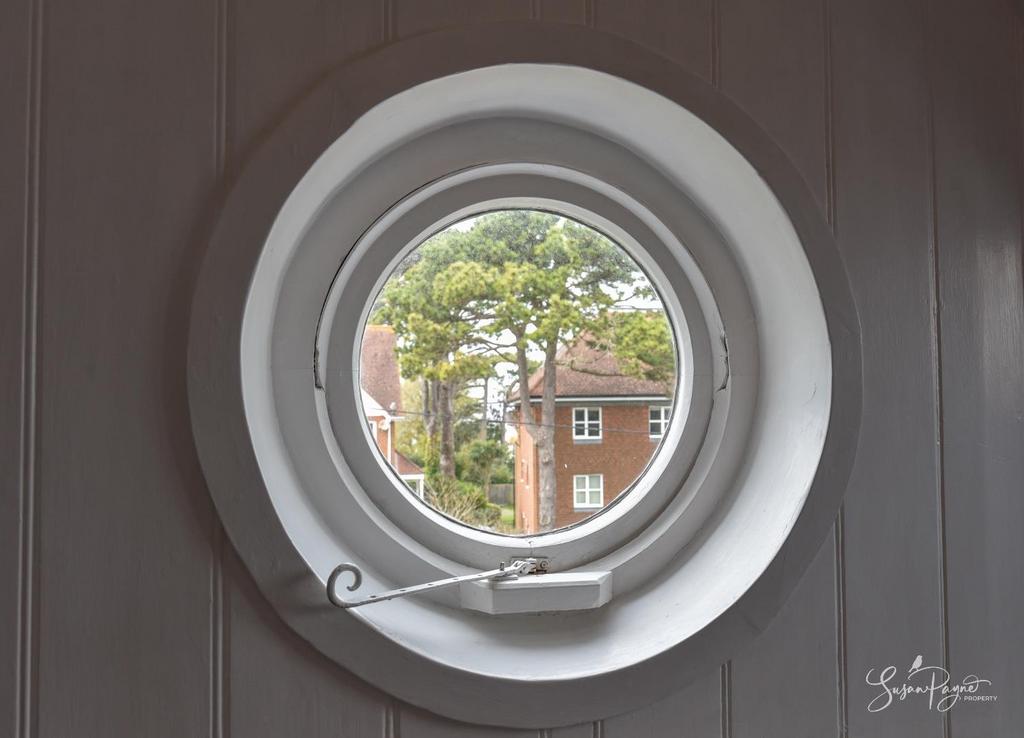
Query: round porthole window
493, 304
541, 317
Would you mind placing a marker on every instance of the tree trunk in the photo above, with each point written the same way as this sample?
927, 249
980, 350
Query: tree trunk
446, 413
483, 417
430, 406
546, 442
543, 433
486, 474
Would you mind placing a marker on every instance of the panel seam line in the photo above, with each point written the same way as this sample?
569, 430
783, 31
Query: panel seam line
27, 698
935, 298
726, 704
716, 44
218, 611
839, 528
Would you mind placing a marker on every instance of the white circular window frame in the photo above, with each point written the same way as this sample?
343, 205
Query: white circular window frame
442, 203
674, 585
335, 514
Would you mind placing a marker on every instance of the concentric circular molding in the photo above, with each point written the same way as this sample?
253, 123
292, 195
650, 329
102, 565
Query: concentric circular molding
624, 139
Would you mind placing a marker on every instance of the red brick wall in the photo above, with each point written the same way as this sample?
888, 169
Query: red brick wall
620, 456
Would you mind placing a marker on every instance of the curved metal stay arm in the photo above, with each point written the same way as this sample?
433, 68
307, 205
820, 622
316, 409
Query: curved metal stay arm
520, 566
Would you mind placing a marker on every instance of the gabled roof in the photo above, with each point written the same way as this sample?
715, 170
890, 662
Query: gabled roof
581, 370
404, 466
378, 367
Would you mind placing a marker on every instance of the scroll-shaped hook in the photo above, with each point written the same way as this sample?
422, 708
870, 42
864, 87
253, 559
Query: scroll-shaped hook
517, 567
332, 581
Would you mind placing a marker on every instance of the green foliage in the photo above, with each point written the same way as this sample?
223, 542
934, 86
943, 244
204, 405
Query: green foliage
463, 501
504, 473
536, 275
434, 333
467, 418
508, 516
411, 438
410, 432
478, 460
642, 344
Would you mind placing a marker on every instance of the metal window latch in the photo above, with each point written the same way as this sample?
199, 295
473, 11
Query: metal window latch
511, 571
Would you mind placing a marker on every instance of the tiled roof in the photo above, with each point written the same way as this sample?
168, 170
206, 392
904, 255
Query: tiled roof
378, 366
404, 466
582, 370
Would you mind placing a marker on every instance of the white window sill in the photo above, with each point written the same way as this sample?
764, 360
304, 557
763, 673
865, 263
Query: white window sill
539, 593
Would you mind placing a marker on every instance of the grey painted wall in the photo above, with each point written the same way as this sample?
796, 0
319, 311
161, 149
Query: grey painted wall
123, 609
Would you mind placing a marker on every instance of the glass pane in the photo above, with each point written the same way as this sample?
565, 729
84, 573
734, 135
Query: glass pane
464, 322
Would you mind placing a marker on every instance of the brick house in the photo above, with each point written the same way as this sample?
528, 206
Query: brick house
607, 428
381, 389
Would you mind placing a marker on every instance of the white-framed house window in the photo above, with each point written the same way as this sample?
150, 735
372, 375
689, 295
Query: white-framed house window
415, 482
586, 424
588, 491
657, 420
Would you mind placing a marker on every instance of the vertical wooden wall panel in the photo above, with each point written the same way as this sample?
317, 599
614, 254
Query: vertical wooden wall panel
124, 555
416, 16
564, 11
277, 684
282, 686
277, 52
790, 669
584, 730
693, 712
893, 604
17, 155
772, 61
416, 723
679, 29
977, 100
